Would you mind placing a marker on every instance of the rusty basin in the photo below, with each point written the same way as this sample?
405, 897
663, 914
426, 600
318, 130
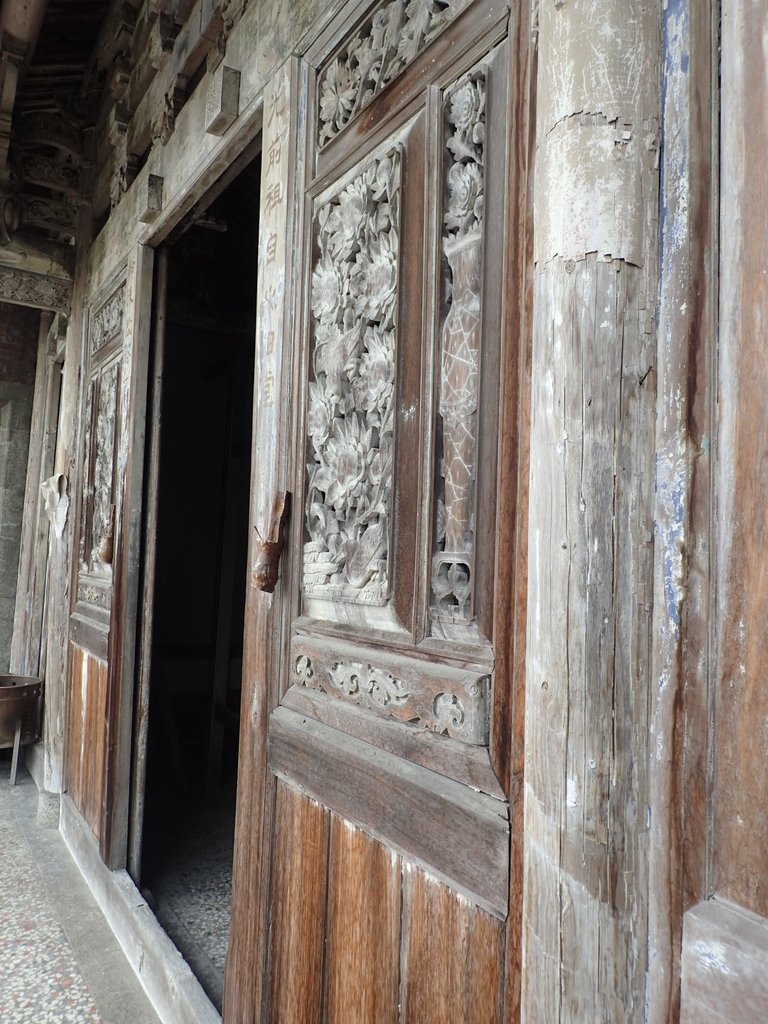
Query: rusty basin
20, 700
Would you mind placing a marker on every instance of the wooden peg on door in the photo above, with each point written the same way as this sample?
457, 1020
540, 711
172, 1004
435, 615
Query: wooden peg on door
268, 549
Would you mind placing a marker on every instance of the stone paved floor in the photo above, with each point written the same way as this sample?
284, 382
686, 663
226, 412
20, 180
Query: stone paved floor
59, 961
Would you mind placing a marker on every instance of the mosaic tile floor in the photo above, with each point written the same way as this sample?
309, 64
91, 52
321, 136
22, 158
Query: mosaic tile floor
59, 962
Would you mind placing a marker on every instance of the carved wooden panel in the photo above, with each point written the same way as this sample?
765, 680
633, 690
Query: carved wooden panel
91, 616
395, 641
440, 698
459, 366
374, 55
350, 421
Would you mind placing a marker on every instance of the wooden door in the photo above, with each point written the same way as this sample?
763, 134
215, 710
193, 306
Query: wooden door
375, 869
102, 623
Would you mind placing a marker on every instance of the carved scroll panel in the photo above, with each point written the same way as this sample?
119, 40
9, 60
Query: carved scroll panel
438, 698
351, 403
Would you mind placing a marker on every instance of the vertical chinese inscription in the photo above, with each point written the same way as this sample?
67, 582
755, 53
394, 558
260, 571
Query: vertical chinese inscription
350, 422
452, 566
275, 225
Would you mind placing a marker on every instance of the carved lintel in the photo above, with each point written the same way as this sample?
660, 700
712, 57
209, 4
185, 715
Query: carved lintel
53, 174
45, 212
437, 698
51, 130
152, 200
222, 100
269, 548
36, 290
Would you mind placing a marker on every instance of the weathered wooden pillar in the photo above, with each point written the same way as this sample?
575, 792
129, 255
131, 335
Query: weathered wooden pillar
591, 505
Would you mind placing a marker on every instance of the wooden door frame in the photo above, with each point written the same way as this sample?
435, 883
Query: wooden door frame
148, 565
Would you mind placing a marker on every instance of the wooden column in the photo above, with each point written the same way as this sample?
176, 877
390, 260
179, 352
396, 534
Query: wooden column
591, 500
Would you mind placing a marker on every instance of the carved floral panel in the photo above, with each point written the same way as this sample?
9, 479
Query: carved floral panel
107, 323
437, 698
460, 340
385, 44
350, 420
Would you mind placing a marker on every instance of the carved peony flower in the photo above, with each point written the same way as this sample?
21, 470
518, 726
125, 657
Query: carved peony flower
374, 382
327, 288
336, 350
346, 455
337, 95
319, 416
346, 219
465, 202
467, 106
374, 277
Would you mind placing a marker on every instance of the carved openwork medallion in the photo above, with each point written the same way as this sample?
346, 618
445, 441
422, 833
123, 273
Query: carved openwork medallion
350, 420
459, 375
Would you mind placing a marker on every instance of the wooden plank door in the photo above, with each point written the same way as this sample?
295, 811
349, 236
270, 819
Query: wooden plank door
374, 853
102, 623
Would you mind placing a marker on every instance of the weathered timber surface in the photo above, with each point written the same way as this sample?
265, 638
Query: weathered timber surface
264, 612
724, 977
741, 752
30, 589
452, 962
590, 515
679, 754
403, 804
363, 943
297, 928
86, 737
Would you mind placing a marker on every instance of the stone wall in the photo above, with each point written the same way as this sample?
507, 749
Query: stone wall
18, 347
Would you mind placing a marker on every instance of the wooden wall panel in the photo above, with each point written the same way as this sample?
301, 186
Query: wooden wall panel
363, 951
741, 781
298, 908
85, 744
452, 966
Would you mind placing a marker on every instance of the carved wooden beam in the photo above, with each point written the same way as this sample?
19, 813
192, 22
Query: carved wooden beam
39, 256
25, 288
52, 174
53, 214
51, 130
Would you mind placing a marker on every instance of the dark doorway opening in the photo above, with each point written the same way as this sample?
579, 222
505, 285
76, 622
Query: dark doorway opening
203, 464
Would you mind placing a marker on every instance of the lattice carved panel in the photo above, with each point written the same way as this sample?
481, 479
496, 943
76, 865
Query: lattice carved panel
460, 349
